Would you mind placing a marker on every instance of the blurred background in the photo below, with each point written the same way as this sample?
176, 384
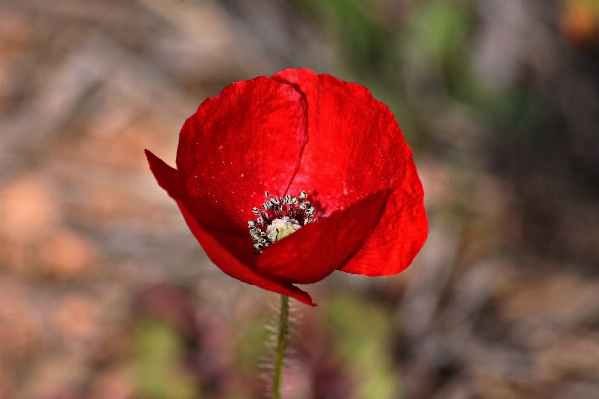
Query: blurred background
105, 294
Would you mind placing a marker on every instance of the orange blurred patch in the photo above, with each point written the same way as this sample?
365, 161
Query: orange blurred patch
29, 212
114, 384
76, 317
580, 25
65, 254
28, 209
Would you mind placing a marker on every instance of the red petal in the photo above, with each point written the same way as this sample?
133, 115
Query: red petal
240, 143
355, 148
232, 266
164, 174
318, 249
399, 235
237, 259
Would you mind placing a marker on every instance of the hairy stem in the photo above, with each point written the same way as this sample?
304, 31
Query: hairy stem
280, 349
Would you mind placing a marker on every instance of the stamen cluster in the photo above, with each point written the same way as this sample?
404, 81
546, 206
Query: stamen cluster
294, 212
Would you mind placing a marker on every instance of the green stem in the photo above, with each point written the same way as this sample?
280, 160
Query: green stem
280, 350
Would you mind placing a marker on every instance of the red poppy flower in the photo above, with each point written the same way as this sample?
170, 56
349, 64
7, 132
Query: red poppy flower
297, 131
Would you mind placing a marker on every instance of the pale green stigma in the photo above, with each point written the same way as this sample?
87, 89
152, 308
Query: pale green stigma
281, 228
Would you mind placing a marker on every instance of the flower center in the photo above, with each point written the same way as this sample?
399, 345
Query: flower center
278, 218
281, 228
